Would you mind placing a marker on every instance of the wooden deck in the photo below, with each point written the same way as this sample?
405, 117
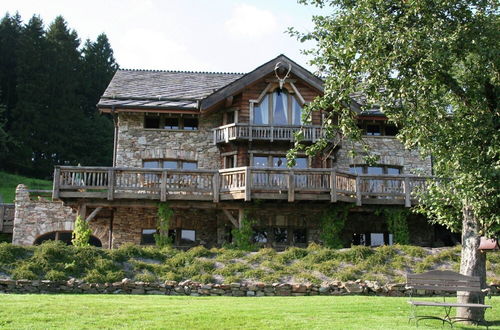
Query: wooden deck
239, 131
243, 183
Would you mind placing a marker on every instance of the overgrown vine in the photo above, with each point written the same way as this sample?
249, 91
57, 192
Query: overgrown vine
397, 224
165, 213
332, 223
242, 237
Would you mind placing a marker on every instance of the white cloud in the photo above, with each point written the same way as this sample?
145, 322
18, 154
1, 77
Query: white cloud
250, 22
154, 50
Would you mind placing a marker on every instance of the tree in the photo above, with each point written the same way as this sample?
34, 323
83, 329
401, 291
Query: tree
432, 67
81, 234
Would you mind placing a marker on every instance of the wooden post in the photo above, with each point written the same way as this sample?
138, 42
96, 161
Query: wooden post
82, 211
226, 134
407, 192
333, 186
163, 186
216, 186
271, 133
216, 131
358, 191
93, 214
57, 183
291, 186
110, 231
111, 184
248, 184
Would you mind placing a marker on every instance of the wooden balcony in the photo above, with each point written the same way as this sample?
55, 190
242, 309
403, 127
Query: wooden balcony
239, 131
243, 183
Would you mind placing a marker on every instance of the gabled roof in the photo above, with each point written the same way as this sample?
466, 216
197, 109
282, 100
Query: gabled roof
162, 89
266, 68
150, 89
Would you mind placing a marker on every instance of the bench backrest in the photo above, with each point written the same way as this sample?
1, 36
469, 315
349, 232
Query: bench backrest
443, 280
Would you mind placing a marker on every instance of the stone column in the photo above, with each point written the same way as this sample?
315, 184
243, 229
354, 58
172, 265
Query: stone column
22, 198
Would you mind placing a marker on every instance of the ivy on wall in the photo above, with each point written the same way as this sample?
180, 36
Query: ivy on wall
332, 224
242, 237
165, 213
397, 224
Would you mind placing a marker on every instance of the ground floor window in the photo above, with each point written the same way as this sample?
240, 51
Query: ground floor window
372, 239
280, 235
178, 237
65, 237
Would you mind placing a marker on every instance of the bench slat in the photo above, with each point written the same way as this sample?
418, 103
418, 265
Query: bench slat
445, 288
444, 282
444, 304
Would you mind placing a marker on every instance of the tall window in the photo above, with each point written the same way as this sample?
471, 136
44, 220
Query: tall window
278, 108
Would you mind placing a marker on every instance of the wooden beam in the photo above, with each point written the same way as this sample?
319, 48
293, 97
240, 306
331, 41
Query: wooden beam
241, 215
111, 184
407, 192
333, 186
358, 191
291, 187
216, 186
93, 214
248, 184
163, 186
82, 210
231, 218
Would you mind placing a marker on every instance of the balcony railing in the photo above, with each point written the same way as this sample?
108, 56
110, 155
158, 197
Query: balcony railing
243, 183
250, 132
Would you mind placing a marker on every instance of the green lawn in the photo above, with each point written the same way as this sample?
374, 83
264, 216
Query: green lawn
9, 182
171, 312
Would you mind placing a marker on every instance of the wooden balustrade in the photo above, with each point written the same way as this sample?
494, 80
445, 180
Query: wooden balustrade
243, 183
239, 131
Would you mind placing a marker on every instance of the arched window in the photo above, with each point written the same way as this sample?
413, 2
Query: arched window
278, 108
64, 236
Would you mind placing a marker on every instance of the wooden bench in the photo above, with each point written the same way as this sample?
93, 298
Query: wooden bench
443, 281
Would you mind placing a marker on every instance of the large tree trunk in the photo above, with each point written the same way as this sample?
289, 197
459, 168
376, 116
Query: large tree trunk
473, 263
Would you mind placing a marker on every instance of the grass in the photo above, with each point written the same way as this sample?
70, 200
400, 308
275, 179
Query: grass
9, 182
315, 264
170, 312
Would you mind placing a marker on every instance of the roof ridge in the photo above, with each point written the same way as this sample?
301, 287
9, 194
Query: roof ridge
182, 71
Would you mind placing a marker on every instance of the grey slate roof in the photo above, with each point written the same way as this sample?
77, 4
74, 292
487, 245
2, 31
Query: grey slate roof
162, 89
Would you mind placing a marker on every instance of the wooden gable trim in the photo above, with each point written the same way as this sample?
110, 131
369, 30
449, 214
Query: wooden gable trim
156, 110
239, 84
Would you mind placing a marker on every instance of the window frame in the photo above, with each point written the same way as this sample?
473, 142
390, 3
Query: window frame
161, 162
270, 160
181, 125
385, 168
382, 124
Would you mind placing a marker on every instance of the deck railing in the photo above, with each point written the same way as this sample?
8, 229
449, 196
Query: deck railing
242, 183
241, 131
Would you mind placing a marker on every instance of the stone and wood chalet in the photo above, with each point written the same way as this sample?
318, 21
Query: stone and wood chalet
213, 146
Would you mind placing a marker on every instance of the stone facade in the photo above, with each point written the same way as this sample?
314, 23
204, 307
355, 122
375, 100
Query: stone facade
390, 152
135, 143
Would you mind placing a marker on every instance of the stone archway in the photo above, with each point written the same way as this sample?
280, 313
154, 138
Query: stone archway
65, 237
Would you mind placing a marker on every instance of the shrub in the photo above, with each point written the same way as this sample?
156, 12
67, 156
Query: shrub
146, 276
203, 278
9, 253
291, 253
261, 255
55, 275
242, 237
355, 254
81, 233
165, 213
199, 251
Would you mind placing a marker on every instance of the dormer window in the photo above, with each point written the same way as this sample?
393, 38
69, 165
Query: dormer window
278, 108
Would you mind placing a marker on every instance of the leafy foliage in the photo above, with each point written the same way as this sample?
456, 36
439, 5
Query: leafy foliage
332, 224
49, 87
431, 68
165, 213
397, 224
242, 237
81, 233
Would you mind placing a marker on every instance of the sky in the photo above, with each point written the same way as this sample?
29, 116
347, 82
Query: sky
193, 35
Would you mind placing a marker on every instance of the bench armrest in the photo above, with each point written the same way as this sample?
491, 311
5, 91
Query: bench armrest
487, 291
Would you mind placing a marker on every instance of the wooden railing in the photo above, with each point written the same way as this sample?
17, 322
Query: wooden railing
6, 218
242, 183
240, 131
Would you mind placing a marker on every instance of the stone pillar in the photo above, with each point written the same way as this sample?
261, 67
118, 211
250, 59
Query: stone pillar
21, 199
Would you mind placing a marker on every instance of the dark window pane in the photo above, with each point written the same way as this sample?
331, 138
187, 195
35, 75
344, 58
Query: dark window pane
230, 117
189, 165
300, 235
191, 124
391, 130
281, 235
65, 236
152, 122
188, 237
376, 239
393, 170
375, 170
358, 239
172, 233
147, 237
373, 130
229, 162
260, 236
171, 123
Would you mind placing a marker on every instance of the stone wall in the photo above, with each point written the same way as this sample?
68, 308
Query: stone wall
136, 143
189, 288
34, 218
390, 151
